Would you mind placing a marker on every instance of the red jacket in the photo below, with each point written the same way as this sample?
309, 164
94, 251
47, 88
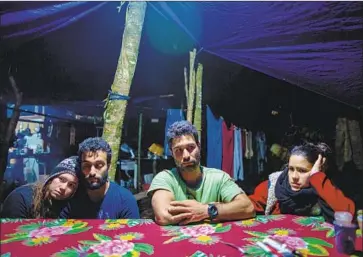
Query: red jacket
327, 191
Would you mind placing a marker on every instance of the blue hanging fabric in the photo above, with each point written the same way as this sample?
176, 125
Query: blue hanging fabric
172, 115
261, 151
214, 140
238, 172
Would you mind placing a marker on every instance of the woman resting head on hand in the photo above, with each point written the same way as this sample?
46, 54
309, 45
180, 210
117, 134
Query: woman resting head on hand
302, 188
306, 160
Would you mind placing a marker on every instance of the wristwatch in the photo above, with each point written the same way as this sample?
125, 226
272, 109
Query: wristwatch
212, 211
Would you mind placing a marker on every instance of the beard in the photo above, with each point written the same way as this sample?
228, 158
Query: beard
192, 165
95, 184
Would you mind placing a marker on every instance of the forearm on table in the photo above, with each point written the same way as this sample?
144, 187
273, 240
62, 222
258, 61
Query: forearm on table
160, 202
163, 218
238, 209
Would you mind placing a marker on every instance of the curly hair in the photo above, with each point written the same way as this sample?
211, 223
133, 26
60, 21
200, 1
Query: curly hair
181, 128
94, 144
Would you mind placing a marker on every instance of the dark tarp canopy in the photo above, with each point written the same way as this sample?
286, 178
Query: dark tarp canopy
314, 45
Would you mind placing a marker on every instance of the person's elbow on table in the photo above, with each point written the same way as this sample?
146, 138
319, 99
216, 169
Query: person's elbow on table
250, 210
239, 208
166, 218
162, 219
160, 202
247, 208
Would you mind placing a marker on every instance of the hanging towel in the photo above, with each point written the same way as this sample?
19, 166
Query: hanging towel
227, 148
348, 143
261, 151
244, 143
172, 115
342, 143
214, 140
356, 142
249, 148
238, 160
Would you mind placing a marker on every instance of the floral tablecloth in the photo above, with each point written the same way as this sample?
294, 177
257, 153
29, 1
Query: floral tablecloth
131, 238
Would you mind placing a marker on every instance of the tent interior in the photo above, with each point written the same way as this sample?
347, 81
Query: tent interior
301, 65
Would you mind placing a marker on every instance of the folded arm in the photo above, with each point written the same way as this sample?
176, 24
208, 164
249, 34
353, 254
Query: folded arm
160, 201
239, 208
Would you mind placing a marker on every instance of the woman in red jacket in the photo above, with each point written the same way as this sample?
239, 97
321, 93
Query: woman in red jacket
302, 188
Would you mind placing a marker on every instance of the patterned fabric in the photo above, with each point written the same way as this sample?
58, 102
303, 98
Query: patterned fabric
271, 198
68, 165
129, 238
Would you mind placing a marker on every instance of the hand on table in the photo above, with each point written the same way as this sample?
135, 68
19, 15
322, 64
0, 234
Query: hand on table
194, 211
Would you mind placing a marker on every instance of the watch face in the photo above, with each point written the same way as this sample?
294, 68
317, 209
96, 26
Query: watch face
212, 211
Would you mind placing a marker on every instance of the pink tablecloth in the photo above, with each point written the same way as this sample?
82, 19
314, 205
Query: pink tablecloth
130, 238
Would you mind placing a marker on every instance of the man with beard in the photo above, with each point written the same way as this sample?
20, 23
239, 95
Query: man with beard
99, 198
190, 192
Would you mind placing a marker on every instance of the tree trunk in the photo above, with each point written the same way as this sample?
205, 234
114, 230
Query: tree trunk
8, 131
115, 109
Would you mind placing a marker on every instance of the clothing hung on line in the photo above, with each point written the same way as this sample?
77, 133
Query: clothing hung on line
261, 150
238, 172
214, 140
227, 148
348, 143
249, 147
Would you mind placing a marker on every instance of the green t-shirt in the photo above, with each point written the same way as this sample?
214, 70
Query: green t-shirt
216, 186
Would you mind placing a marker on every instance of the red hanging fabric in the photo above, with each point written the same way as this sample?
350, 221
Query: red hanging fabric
227, 148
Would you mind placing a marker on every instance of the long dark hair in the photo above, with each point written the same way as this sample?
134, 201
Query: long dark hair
42, 202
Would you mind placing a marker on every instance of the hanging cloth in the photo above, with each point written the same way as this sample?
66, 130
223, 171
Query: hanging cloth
227, 148
249, 149
214, 140
72, 135
356, 142
348, 143
261, 148
238, 160
243, 142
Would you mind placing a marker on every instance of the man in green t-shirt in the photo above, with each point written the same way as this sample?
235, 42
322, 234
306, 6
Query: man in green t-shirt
191, 193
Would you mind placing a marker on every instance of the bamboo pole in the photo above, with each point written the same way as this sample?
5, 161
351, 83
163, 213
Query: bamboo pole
139, 180
186, 84
198, 101
191, 87
115, 109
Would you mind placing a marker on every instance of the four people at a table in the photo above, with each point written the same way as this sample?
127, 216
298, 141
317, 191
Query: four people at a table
79, 187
